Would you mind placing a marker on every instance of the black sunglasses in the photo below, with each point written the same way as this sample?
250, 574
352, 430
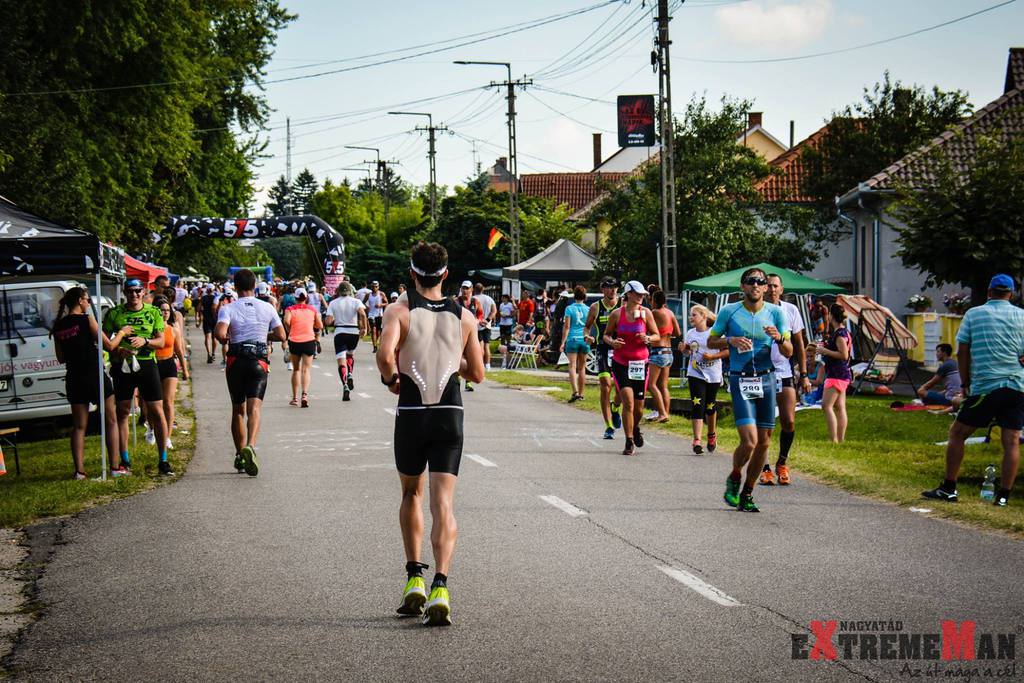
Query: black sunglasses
755, 281
134, 290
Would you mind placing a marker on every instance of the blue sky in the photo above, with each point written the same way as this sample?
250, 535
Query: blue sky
554, 130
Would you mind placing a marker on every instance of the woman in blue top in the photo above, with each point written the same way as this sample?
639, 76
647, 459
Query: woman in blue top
749, 328
574, 344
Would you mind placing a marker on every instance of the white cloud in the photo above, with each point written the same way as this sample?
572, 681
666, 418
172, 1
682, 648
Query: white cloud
773, 24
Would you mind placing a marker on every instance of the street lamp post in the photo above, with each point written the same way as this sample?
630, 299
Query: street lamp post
513, 189
372, 149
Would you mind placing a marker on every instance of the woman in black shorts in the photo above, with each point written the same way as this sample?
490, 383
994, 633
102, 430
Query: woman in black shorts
167, 360
75, 332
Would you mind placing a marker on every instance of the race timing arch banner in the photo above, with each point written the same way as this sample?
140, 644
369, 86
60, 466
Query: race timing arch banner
273, 226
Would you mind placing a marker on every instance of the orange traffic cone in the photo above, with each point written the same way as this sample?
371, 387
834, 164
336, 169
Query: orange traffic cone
3, 467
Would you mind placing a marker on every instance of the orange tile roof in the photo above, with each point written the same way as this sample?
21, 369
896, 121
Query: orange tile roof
786, 185
576, 190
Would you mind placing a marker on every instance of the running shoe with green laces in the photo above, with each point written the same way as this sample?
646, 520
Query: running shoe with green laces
746, 504
414, 597
249, 463
439, 610
732, 492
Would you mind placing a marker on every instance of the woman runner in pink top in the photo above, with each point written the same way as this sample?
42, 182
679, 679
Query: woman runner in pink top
630, 329
304, 326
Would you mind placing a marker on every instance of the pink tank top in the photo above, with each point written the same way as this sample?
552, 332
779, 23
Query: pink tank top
635, 349
302, 318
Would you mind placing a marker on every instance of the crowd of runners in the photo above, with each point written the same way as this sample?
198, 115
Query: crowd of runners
427, 344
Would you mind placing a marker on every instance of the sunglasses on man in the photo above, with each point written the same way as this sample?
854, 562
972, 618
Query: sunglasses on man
755, 281
134, 290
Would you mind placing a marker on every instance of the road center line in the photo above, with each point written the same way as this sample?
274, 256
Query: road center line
327, 374
362, 395
390, 411
479, 459
565, 507
700, 586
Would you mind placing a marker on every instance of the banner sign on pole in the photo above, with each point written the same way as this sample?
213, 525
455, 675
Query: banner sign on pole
636, 120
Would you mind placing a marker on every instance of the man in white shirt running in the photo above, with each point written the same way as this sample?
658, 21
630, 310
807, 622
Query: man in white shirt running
348, 315
246, 325
786, 380
375, 304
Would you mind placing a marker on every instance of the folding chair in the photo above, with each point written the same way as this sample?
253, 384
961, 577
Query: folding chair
523, 354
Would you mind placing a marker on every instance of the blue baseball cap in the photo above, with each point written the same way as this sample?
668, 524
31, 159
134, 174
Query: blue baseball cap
132, 282
1002, 281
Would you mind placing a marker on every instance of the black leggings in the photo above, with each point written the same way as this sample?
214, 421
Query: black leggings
703, 396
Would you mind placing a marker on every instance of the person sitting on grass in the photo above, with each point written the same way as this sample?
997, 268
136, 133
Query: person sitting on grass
947, 373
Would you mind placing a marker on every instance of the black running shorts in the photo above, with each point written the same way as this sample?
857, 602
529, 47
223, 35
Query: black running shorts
1004, 406
146, 379
429, 436
302, 348
83, 387
345, 342
167, 368
208, 325
377, 323
247, 378
484, 335
620, 373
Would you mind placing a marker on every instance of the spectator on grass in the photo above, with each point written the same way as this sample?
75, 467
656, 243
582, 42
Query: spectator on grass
948, 373
525, 308
989, 355
517, 338
836, 354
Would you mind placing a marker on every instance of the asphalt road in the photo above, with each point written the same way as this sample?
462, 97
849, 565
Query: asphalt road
573, 562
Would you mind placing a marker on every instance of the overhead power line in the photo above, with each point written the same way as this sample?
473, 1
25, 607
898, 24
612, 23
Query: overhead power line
523, 27
873, 43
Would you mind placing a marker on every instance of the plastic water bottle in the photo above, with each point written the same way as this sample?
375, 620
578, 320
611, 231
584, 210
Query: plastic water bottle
988, 487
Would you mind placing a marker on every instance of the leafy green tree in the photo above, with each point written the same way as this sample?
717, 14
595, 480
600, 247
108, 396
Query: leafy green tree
303, 189
88, 148
865, 137
966, 226
370, 262
721, 222
279, 199
289, 255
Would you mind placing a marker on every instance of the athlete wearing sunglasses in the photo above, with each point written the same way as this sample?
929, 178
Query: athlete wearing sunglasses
749, 329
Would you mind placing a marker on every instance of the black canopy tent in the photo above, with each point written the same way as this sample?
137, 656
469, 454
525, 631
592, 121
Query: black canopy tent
33, 248
564, 261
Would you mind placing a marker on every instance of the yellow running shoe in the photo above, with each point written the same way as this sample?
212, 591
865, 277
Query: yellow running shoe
414, 597
439, 611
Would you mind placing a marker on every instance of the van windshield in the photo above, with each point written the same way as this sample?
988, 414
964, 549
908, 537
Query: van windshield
28, 312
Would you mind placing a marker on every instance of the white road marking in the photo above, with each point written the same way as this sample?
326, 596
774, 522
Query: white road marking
700, 586
362, 395
480, 459
921, 510
328, 374
567, 508
390, 411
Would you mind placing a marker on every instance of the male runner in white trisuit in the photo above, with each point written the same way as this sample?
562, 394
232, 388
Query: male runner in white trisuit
428, 340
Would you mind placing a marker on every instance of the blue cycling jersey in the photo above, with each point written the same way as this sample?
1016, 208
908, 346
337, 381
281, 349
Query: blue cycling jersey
735, 320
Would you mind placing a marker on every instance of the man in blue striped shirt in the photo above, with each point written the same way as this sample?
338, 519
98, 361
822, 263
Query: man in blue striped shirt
991, 361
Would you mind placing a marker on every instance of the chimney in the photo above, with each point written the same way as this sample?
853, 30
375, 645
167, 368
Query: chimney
792, 137
753, 119
597, 150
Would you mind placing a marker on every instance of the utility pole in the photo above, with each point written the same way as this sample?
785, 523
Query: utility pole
383, 182
288, 161
431, 152
669, 251
513, 166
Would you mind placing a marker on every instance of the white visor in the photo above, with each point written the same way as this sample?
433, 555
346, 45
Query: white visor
420, 271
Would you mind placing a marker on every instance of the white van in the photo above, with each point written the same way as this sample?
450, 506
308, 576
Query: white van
31, 377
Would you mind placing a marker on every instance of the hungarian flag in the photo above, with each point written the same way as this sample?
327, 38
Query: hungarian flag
493, 238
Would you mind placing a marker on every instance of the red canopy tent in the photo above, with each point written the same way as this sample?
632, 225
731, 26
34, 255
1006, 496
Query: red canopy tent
146, 272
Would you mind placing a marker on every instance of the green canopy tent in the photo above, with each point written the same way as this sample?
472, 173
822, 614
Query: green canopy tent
724, 284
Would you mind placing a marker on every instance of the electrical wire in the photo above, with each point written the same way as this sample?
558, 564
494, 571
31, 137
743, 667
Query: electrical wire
564, 115
330, 72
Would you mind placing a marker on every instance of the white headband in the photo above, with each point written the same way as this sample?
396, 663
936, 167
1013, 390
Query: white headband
420, 271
